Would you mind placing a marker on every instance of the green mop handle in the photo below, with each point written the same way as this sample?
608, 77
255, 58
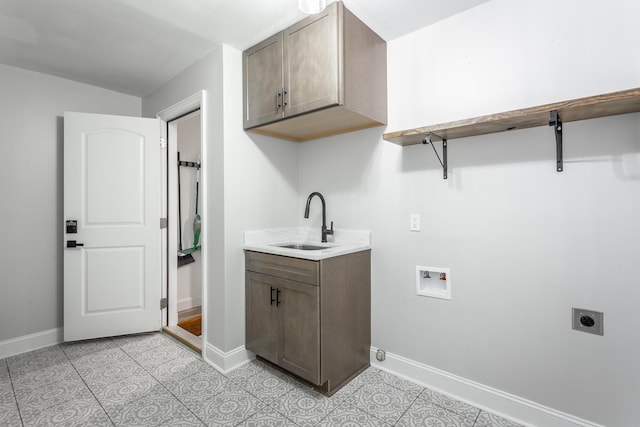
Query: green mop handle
197, 191
196, 223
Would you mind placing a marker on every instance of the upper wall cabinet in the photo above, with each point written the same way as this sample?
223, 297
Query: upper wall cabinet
323, 76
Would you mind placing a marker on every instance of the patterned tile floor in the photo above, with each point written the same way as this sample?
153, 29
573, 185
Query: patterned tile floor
150, 379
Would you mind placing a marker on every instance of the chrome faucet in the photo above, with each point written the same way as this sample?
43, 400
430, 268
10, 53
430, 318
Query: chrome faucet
324, 215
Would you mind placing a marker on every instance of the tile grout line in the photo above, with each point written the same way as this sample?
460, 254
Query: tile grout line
171, 393
237, 383
399, 389
475, 420
15, 396
422, 391
133, 360
266, 404
406, 410
345, 403
374, 376
270, 405
13, 389
119, 347
87, 385
160, 382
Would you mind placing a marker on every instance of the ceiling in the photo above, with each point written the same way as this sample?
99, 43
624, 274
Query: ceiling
133, 46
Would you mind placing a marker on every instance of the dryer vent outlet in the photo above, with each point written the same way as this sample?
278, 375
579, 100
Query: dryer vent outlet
381, 355
588, 321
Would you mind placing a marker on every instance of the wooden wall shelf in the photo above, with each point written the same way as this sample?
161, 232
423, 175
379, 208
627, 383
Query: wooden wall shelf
610, 104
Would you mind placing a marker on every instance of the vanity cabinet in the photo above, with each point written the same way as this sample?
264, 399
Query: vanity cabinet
311, 318
284, 326
322, 76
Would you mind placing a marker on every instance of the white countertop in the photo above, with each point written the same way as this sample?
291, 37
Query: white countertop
342, 242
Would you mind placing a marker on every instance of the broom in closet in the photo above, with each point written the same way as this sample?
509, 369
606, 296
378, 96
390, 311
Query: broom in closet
185, 255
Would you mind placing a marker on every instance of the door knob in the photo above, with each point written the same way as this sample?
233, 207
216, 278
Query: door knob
73, 244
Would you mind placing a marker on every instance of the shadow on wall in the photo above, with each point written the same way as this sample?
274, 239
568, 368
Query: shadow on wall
277, 152
59, 216
344, 163
604, 139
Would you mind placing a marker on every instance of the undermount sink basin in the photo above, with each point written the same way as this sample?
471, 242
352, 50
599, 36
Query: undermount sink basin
302, 246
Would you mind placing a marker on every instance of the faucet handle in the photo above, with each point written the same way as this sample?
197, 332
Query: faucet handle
330, 231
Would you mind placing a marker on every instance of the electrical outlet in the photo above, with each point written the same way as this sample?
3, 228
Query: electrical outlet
587, 321
414, 224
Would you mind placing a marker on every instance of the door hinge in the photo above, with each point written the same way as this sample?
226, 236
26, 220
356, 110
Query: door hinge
163, 303
163, 142
163, 223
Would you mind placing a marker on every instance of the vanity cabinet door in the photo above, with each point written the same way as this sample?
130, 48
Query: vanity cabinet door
283, 323
261, 320
299, 329
263, 82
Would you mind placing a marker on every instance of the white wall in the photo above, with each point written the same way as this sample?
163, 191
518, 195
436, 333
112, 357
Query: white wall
189, 275
206, 74
261, 190
504, 55
31, 223
524, 243
252, 184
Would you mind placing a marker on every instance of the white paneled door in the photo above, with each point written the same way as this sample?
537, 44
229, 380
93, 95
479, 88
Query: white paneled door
112, 263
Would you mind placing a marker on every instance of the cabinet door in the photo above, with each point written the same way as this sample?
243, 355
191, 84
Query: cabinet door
312, 60
263, 82
299, 329
261, 315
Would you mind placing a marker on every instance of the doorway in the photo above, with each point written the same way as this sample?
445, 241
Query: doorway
189, 283
185, 171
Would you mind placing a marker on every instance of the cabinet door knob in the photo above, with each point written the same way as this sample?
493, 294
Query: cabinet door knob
278, 302
272, 300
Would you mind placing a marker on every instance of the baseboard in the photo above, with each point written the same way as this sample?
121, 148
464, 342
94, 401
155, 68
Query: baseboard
187, 303
506, 405
30, 342
226, 361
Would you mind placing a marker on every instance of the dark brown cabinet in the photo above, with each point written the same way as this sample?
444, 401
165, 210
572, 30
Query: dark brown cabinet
322, 76
312, 318
261, 327
263, 82
284, 326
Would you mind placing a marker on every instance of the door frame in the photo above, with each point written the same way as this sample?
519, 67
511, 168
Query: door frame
170, 240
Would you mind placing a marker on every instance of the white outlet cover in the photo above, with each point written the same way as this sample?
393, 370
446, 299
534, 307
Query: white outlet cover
414, 224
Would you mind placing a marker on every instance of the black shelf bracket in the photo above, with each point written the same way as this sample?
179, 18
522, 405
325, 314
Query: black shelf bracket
554, 120
428, 139
189, 164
